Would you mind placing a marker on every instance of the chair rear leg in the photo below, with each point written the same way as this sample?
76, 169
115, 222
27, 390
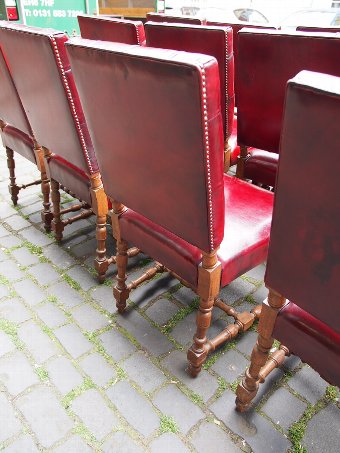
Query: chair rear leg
13, 187
57, 224
248, 388
121, 291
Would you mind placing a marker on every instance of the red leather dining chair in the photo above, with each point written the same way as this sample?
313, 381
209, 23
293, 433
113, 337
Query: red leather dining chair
17, 136
111, 29
303, 310
319, 29
190, 20
41, 72
166, 182
267, 60
215, 41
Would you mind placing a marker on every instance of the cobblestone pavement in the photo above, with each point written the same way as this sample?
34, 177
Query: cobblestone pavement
77, 377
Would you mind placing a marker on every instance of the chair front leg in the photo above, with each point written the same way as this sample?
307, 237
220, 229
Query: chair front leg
209, 277
248, 388
57, 224
46, 214
241, 162
121, 291
13, 187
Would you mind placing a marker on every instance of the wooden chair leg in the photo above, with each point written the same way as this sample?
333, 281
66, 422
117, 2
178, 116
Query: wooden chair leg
241, 161
247, 389
57, 224
13, 187
46, 214
227, 157
208, 289
121, 291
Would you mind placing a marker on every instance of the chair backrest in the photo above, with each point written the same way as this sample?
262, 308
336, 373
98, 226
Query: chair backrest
304, 252
319, 29
41, 72
267, 60
111, 29
191, 20
215, 41
11, 109
163, 159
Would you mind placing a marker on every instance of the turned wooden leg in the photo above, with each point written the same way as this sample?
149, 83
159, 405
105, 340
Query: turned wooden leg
208, 289
46, 213
121, 291
227, 157
241, 162
247, 389
57, 224
13, 188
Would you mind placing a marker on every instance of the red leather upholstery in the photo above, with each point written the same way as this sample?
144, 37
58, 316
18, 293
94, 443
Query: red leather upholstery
110, 29
19, 142
184, 136
156, 17
310, 339
304, 252
215, 41
41, 73
261, 166
319, 29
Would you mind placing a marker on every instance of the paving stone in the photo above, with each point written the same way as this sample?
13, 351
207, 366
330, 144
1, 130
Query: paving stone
323, 431
205, 386
161, 311
143, 371
145, 293
87, 248
10, 425
17, 222
171, 401
268, 384
13, 310
104, 297
40, 406
309, 384
246, 342
11, 270
10, 241
44, 273
73, 340
6, 345
230, 365
185, 329
25, 257
98, 369
51, 315
36, 237
91, 407
260, 294
255, 429
66, 295
29, 207
277, 405
63, 374
257, 272
209, 437
185, 295
115, 344
292, 362
236, 290
30, 292
3, 256
3, 232
147, 335
58, 256
83, 277
71, 241
73, 445
39, 343
6, 210
135, 408
120, 442
16, 373
168, 443
89, 318
24, 444
4, 291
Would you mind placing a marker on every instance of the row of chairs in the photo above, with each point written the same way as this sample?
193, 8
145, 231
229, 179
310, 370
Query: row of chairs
155, 119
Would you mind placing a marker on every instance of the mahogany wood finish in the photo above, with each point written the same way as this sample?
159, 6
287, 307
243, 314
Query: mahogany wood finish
207, 228
309, 221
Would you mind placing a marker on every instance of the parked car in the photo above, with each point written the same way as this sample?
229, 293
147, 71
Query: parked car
313, 18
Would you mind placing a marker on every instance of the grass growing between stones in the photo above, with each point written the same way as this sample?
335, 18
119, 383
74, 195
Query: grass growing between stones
214, 357
42, 373
181, 314
168, 425
74, 393
11, 330
74, 285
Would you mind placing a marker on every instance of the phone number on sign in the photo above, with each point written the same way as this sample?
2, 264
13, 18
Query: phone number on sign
52, 13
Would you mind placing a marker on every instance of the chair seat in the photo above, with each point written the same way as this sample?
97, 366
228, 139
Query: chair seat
245, 240
261, 166
19, 142
310, 339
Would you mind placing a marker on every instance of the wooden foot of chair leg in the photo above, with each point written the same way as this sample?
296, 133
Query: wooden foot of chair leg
121, 291
13, 188
57, 224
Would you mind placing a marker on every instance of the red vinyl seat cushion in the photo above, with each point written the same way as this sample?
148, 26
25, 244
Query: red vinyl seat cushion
19, 142
245, 235
261, 166
310, 339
